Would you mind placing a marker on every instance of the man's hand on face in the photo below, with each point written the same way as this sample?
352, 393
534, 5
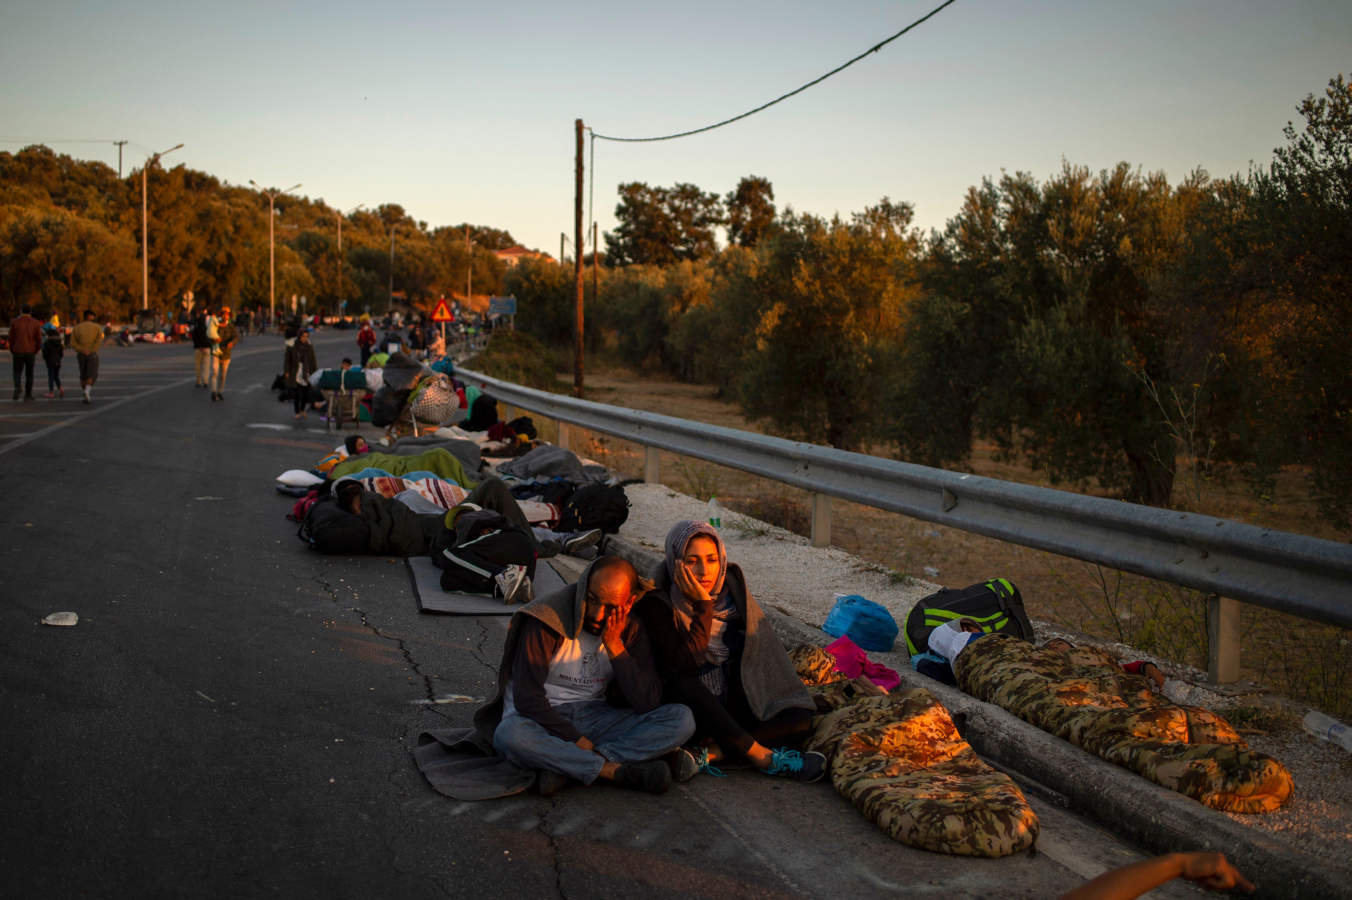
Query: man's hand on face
613, 630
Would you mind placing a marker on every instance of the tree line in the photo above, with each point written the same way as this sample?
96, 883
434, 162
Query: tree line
1107, 328
70, 239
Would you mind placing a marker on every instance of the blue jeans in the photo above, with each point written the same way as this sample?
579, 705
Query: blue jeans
620, 736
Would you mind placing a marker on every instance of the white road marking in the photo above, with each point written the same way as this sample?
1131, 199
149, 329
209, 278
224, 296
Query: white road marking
96, 410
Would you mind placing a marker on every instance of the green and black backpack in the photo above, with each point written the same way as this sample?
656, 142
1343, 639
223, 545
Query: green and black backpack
995, 605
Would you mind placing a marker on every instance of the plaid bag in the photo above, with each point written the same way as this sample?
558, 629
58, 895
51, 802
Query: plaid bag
434, 401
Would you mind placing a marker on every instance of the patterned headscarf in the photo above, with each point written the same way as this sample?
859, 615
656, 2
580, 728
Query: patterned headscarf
678, 539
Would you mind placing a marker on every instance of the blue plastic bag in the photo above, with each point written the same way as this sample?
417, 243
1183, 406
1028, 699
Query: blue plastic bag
862, 621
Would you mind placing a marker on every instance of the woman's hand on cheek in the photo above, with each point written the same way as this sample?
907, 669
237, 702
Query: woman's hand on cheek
685, 580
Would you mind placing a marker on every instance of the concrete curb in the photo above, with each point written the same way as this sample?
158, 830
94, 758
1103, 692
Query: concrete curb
1151, 816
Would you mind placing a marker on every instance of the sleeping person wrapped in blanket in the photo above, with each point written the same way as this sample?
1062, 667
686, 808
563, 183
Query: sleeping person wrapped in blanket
1082, 694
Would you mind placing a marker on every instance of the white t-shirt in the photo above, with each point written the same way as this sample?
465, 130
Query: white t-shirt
579, 670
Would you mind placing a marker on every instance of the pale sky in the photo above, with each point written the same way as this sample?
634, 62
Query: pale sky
464, 111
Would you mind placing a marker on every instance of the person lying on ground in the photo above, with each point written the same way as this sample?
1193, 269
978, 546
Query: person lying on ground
353, 445
568, 657
719, 655
951, 638
1210, 870
491, 494
1141, 667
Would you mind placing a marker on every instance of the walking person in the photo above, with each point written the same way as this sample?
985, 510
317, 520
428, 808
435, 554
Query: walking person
85, 340
366, 339
297, 366
226, 336
201, 346
53, 348
25, 339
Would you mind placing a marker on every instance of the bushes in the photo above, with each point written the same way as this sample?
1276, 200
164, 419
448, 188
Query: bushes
517, 357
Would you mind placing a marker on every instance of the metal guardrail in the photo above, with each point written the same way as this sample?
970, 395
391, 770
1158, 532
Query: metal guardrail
1291, 573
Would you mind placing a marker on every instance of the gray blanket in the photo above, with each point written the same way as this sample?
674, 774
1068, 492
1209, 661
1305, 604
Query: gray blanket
548, 461
465, 451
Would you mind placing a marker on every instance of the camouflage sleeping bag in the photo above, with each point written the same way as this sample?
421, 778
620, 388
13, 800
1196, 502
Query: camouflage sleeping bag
1083, 696
899, 759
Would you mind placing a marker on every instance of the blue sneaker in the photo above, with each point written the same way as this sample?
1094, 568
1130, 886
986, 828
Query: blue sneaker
706, 766
806, 767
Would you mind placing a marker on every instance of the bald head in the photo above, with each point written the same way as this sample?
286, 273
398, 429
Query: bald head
612, 588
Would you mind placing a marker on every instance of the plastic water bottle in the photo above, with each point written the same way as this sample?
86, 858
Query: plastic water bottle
713, 513
1329, 729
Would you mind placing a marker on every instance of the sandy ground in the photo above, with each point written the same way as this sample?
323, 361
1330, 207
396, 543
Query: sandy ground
788, 575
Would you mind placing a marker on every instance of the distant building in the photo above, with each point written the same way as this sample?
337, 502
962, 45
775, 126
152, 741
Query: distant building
512, 256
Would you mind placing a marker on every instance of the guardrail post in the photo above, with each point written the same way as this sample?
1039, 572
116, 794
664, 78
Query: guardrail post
821, 520
1222, 631
564, 436
652, 472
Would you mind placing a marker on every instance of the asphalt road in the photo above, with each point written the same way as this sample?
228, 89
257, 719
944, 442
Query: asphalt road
233, 714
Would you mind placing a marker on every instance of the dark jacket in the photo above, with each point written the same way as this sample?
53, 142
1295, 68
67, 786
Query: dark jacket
199, 332
53, 348
536, 631
396, 530
299, 356
766, 673
25, 334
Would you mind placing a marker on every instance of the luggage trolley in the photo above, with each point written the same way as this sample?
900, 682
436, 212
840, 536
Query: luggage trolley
343, 397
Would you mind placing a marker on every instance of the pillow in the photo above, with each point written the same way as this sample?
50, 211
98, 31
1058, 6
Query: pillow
299, 478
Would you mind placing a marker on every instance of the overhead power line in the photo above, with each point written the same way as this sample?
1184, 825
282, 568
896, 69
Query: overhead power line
798, 90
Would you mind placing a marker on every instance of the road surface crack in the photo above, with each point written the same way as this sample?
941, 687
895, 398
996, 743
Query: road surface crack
543, 828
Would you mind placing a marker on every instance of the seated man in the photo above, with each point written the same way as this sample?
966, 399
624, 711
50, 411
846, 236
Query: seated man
567, 656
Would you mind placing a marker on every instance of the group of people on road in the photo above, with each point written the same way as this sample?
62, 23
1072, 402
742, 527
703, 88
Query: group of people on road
636, 683
28, 337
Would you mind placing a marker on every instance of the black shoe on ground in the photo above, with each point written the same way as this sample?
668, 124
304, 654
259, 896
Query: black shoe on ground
550, 783
652, 776
683, 765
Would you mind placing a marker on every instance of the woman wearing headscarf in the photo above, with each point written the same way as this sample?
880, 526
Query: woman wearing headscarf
719, 655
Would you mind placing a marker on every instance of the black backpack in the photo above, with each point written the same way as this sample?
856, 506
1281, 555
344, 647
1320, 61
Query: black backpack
199, 331
995, 605
329, 528
602, 506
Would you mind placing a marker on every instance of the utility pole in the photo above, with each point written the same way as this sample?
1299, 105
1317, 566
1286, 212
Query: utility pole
562, 237
389, 308
596, 283
145, 224
577, 263
119, 157
341, 214
272, 248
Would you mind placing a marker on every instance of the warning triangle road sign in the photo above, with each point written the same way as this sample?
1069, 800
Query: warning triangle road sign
443, 313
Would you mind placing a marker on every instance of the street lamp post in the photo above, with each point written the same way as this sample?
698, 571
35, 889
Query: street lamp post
272, 264
145, 243
340, 253
389, 307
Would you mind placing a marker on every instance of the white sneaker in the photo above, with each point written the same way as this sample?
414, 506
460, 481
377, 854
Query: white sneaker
513, 585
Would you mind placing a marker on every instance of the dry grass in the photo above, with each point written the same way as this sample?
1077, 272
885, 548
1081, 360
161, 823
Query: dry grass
1293, 656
